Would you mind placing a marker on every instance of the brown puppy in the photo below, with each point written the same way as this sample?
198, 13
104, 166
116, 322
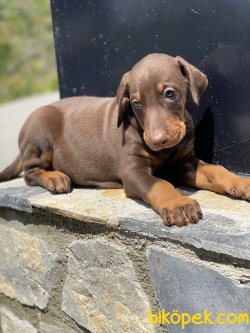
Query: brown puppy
123, 141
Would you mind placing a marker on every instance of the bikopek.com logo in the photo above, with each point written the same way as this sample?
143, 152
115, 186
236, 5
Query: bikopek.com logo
206, 318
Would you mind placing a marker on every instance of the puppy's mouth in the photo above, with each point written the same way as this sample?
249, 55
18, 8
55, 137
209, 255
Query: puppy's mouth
169, 141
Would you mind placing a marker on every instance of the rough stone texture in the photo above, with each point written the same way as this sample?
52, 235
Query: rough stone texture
48, 328
12, 324
188, 287
225, 228
16, 194
26, 267
101, 291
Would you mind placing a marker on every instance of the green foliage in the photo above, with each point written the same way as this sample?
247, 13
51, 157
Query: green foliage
27, 57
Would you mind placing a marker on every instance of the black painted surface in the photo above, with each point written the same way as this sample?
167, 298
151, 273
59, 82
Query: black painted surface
97, 41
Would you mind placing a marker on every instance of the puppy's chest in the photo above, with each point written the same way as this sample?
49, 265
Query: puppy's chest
158, 159
170, 166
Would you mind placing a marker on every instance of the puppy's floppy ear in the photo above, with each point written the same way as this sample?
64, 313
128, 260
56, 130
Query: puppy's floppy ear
197, 80
122, 97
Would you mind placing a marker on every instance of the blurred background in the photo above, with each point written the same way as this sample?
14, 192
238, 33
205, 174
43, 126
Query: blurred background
27, 53
28, 75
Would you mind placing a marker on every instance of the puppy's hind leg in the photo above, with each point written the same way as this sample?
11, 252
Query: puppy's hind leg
38, 171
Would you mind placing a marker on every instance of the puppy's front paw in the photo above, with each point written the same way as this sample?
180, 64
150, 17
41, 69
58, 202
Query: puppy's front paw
180, 211
241, 188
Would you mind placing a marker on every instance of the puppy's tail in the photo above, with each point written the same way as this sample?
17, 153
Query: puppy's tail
13, 170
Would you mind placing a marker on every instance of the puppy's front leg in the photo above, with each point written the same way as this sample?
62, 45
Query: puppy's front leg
173, 207
215, 178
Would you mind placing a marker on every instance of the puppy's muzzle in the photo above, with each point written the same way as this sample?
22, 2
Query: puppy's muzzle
162, 139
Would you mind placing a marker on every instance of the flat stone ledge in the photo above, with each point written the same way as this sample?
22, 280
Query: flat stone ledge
225, 228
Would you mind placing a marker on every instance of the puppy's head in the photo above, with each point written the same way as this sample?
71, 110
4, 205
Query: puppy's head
155, 91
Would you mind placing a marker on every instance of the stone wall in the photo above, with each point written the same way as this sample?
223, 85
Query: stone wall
94, 261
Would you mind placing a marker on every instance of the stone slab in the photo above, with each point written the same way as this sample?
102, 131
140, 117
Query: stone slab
225, 228
12, 324
26, 268
187, 287
16, 194
101, 291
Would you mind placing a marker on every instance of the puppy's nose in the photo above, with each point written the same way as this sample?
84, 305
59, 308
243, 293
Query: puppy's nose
159, 138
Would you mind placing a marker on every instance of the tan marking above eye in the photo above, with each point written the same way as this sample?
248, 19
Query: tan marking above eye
137, 96
160, 87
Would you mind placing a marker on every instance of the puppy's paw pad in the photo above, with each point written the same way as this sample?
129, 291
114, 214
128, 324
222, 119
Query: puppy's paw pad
60, 183
181, 211
241, 189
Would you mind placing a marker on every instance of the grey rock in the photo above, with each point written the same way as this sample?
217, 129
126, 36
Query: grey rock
26, 268
12, 324
216, 233
185, 286
48, 328
101, 291
15, 194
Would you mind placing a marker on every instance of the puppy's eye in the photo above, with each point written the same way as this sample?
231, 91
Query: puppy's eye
136, 104
169, 93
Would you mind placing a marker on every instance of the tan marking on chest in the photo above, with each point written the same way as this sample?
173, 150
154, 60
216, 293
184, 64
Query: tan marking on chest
155, 161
